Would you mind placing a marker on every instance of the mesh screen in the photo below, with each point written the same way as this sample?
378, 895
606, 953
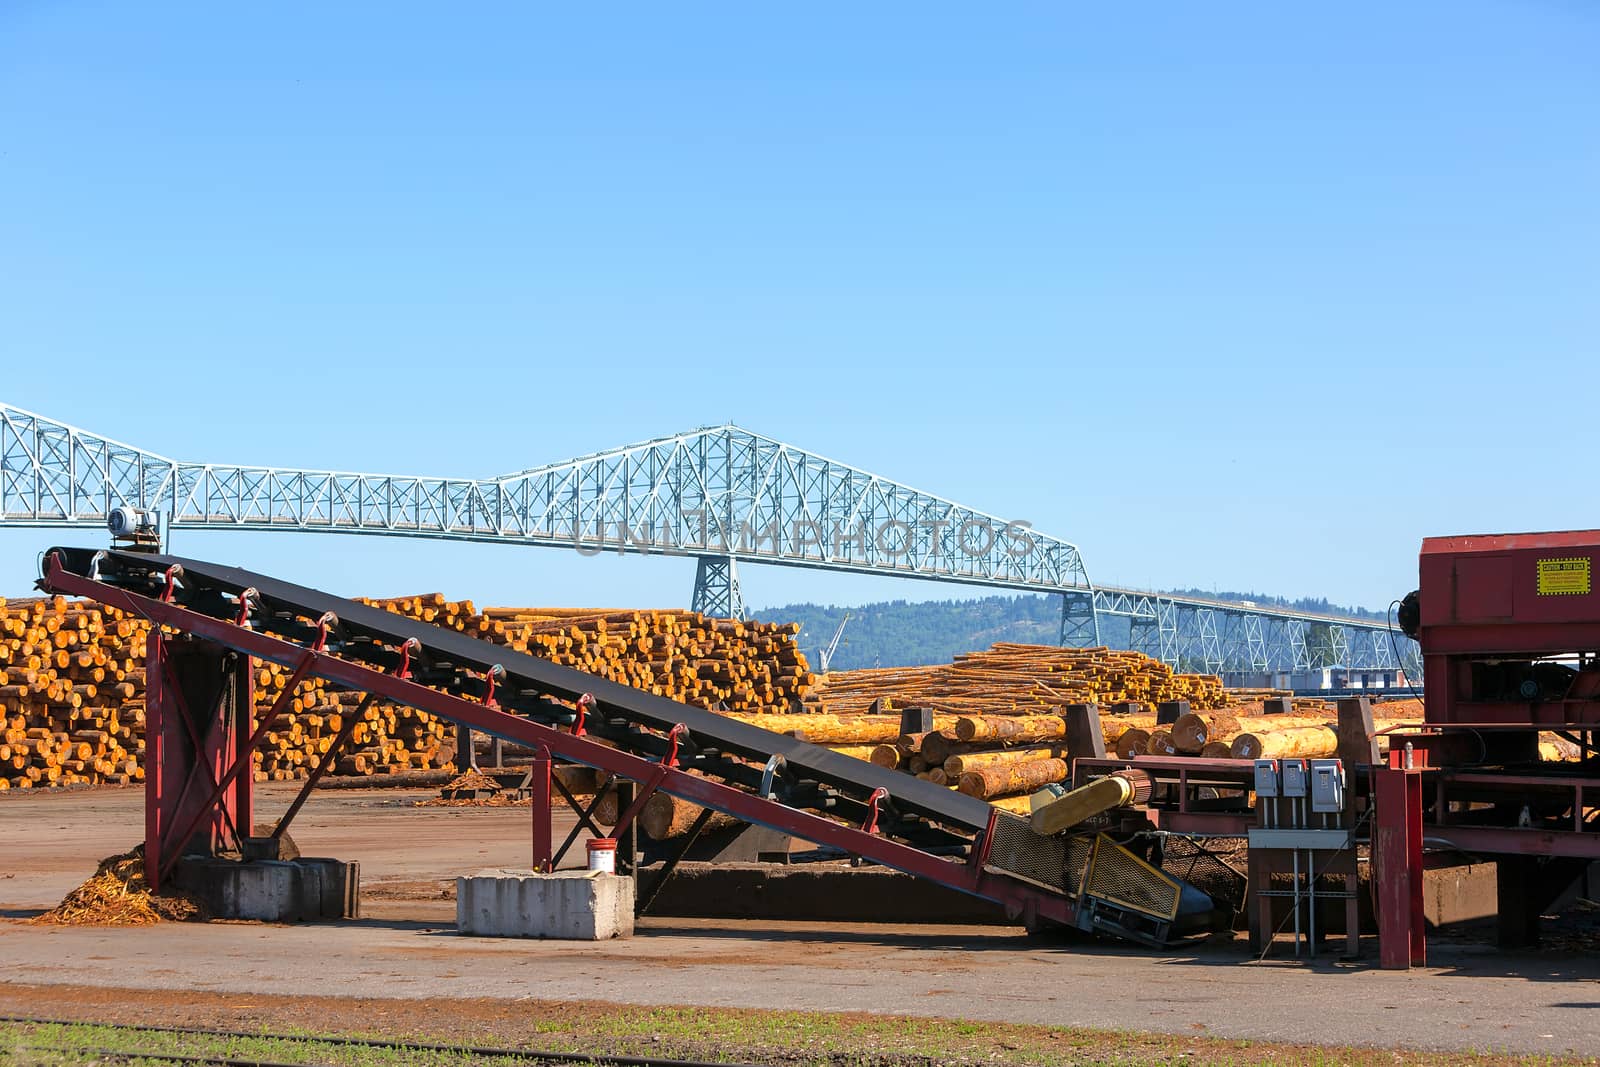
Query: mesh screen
1117, 875
1055, 862
1214, 865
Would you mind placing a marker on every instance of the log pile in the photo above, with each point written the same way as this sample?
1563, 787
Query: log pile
996, 757
72, 687
998, 729
719, 664
1015, 679
72, 684
71, 693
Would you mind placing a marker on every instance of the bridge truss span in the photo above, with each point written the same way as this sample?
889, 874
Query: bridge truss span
721, 495
1217, 635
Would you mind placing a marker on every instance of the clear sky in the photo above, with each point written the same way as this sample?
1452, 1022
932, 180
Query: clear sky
1234, 295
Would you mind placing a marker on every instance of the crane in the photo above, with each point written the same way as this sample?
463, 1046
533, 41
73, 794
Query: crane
825, 655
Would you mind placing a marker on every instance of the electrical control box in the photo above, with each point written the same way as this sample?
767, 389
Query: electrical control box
1266, 778
1327, 785
1294, 777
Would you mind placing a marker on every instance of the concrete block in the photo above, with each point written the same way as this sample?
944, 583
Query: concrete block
270, 848
1459, 894
302, 890
567, 905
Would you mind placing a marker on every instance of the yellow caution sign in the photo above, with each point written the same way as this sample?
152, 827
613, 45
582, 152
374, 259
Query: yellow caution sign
1564, 577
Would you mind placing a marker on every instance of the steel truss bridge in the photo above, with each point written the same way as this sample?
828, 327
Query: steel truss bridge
722, 495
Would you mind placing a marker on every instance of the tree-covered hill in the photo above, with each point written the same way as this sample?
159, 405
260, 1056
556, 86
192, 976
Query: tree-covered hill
897, 633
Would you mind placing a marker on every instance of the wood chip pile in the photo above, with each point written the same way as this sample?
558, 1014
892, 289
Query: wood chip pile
117, 895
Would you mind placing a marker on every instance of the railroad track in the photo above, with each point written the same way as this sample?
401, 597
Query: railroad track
472, 1053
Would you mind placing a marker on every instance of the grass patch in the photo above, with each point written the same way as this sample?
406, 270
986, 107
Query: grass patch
784, 1038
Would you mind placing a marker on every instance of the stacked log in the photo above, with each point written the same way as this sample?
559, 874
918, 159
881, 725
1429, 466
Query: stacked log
718, 664
72, 689
71, 694
1010, 779
72, 686
1017, 679
1320, 741
998, 729
1006, 750
746, 669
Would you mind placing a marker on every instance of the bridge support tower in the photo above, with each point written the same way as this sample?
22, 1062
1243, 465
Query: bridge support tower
1080, 622
716, 587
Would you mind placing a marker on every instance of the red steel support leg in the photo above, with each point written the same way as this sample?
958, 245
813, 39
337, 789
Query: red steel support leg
155, 708
244, 789
212, 746
187, 752
543, 832
243, 763
1397, 857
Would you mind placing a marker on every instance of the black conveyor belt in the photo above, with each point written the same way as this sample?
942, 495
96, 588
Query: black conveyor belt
853, 777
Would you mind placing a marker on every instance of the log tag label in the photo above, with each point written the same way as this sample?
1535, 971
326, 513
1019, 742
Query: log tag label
1564, 577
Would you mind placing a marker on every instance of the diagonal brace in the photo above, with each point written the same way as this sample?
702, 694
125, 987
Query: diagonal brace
329, 757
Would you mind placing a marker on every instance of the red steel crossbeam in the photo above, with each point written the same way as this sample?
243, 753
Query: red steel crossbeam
1574, 793
1017, 897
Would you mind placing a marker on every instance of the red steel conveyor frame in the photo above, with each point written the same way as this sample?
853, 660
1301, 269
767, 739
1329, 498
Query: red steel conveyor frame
1021, 900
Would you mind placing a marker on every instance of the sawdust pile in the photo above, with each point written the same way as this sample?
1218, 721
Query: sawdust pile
499, 800
117, 895
471, 780
474, 781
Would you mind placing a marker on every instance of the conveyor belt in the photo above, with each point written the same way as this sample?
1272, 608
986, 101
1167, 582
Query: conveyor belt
369, 633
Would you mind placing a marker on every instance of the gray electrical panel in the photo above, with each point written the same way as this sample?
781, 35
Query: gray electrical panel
1327, 785
1266, 777
1294, 777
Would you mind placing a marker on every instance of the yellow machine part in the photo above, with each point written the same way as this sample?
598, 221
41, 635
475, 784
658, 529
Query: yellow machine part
1117, 875
1103, 794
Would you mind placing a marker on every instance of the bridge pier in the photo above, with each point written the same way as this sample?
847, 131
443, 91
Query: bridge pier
1080, 622
716, 587
1144, 636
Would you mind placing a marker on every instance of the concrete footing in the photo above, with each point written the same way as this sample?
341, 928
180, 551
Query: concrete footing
1459, 894
566, 905
300, 890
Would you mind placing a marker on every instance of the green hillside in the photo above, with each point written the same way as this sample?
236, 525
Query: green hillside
896, 633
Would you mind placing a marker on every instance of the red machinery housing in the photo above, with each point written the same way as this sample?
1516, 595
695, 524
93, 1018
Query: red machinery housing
1509, 626
1510, 629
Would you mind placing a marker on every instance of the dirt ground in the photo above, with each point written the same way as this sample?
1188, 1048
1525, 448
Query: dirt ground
405, 950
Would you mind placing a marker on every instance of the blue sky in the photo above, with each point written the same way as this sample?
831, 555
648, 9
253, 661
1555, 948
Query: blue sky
1234, 295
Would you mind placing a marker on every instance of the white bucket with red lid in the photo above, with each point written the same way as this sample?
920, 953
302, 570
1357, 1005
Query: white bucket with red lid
603, 855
